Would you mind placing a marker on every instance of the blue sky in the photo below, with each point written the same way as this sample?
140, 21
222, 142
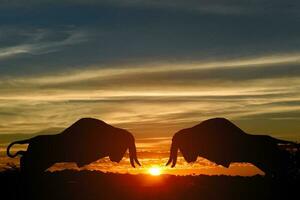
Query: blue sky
152, 67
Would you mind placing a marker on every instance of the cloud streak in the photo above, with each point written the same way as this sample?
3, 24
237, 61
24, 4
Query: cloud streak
272, 65
160, 100
226, 7
39, 44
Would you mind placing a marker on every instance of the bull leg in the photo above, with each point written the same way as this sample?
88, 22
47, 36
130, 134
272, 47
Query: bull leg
23, 164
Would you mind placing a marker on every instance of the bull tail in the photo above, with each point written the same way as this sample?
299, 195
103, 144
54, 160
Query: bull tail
18, 152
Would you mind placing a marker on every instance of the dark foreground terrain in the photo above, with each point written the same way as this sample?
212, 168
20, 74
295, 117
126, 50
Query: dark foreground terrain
86, 185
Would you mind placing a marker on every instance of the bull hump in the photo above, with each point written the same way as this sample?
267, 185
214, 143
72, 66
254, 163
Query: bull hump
91, 121
219, 127
218, 122
89, 126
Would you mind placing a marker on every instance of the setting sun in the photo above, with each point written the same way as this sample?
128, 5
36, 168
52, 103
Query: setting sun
155, 171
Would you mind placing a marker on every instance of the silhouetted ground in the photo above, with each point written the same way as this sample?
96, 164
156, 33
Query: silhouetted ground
84, 185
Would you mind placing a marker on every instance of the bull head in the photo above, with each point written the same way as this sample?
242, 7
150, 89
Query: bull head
132, 153
123, 141
173, 152
187, 145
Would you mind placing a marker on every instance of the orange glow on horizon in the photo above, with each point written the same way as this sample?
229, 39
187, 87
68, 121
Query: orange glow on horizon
153, 164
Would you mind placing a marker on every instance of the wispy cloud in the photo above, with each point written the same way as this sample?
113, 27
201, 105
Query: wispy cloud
38, 42
235, 66
224, 7
158, 100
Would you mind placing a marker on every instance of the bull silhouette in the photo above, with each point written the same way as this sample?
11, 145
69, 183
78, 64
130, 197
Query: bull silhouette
222, 142
85, 141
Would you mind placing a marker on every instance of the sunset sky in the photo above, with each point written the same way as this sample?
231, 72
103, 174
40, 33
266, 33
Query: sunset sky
152, 67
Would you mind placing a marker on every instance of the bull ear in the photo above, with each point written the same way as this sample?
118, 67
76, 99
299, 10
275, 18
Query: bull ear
173, 153
132, 153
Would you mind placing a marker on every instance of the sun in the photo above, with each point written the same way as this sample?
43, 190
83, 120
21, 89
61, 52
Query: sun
154, 171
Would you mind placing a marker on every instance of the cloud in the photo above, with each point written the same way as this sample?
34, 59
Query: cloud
157, 100
236, 69
152, 114
126, 35
153, 67
39, 42
203, 6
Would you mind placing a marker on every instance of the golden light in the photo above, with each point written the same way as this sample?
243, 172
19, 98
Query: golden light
154, 171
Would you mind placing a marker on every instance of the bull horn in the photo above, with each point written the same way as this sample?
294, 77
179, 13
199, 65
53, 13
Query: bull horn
173, 153
132, 154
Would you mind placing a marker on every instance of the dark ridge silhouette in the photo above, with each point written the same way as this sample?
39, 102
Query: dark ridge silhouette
85, 141
222, 142
92, 185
